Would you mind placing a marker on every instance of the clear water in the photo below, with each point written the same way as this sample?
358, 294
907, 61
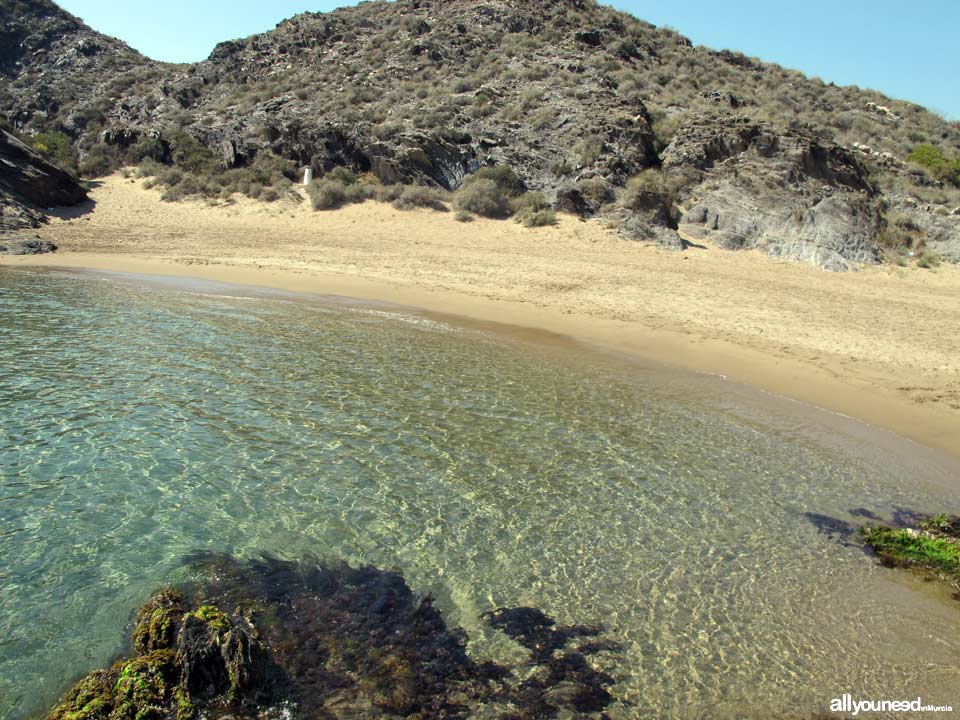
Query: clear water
140, 424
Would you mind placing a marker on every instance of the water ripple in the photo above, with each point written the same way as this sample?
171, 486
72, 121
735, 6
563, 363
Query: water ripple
142, 425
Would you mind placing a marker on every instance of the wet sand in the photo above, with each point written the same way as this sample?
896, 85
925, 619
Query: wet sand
881, 345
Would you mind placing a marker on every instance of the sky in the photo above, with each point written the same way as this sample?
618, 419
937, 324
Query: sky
907, 50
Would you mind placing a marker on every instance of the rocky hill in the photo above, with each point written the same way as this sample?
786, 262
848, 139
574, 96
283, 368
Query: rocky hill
606, 115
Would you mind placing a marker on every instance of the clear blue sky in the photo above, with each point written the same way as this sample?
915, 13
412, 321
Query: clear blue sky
909, 50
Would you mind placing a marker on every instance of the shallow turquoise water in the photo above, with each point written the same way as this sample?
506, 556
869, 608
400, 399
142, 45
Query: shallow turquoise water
142, 423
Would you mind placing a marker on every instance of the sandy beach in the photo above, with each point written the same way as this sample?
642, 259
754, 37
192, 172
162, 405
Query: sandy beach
881, 345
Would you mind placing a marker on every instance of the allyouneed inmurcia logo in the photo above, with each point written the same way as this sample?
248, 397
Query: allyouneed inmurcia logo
846, 704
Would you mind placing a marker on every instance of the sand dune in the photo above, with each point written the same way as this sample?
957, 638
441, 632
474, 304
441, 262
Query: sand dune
882, 344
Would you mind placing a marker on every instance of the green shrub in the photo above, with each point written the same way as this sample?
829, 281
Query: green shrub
596, 190
589, 149
508, 182
270, 169
359, 192
326, 194
539, 218
57, 148
152, 149
189, 154
533, 210
651, 181
933, 159
463, 216
149, 168
100, 159
417, 196
483, 197
390, 193
928, 156
170, 177
929, 260
341, 175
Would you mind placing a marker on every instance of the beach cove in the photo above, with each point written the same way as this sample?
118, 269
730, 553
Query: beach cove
881, 345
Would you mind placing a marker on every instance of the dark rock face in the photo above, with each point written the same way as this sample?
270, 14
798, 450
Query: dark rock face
28, 185
311, 640
27, 176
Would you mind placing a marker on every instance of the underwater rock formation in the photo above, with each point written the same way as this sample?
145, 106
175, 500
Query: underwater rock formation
267, 638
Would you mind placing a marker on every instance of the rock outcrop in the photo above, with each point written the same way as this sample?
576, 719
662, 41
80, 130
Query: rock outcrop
270, 639
784, 192
28, 177
29, 184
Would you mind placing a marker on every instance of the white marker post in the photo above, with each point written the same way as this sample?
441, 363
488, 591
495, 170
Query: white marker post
307, 175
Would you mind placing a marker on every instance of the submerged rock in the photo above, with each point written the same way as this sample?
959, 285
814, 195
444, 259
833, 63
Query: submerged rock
268, 638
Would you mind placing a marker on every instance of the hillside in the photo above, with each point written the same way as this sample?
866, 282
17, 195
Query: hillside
606, 115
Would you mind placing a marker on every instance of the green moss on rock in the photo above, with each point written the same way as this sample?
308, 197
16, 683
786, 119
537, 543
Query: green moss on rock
213, 617
915, 548
145, 686
90, 699
156, 625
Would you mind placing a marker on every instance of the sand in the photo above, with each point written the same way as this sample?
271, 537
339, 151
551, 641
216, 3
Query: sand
881, 345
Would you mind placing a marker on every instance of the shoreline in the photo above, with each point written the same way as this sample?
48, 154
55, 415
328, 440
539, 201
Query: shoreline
881, 346
779, 377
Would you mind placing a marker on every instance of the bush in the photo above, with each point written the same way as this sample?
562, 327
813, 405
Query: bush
327, 194
341, 175
99, 160
539, 218
149, 149
483, 197
596, 190
416, 196
189, 186
533, 210
463, 216
928, 156
170, 178
928, 260
508, 182
359, 192
932, 158
57, 148
191, 155
149, 168
651, 181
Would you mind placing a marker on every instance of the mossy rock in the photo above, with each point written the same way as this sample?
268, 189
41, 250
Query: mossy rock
90, 699
145, 686
213, 617
156, 625
915, 548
